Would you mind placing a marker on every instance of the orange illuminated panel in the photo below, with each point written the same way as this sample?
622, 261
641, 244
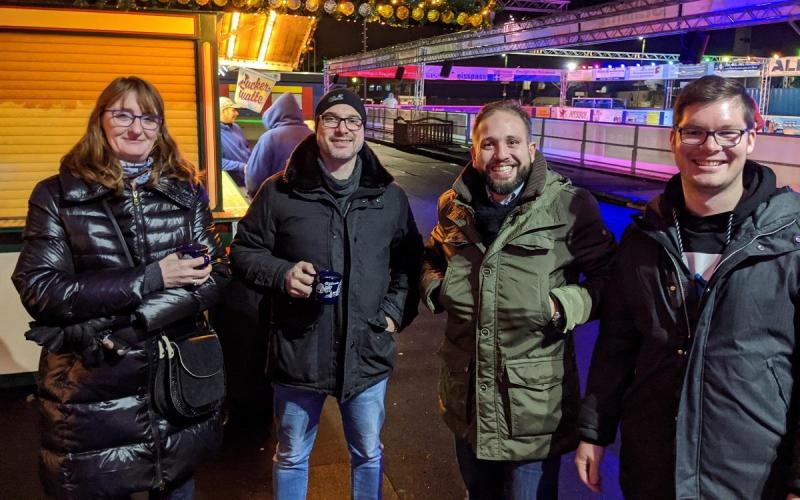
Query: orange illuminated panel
49, 85
209, 121
273, 42
95, 21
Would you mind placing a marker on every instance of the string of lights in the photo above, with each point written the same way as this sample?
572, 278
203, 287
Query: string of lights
459, 14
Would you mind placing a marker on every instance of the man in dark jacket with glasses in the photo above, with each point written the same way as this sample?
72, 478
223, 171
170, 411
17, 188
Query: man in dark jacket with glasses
698, 343
333, 241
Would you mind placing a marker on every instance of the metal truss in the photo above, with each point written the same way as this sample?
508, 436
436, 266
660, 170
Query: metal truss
603, 54
612, 54
533, 6
608, 22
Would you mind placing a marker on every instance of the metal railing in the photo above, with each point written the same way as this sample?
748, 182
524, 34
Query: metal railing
427, 131
632, 149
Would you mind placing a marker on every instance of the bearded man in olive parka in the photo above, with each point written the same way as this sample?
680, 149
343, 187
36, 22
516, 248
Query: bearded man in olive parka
504, 262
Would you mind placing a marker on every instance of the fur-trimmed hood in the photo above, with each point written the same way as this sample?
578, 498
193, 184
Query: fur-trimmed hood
302, 172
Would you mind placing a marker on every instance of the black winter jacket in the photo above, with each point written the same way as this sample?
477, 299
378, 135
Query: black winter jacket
100, 433
706, 411
344, 348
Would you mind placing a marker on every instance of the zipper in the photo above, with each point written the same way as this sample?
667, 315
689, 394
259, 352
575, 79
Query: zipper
679, 275
715, 278
138, 220
750, 243
160, 484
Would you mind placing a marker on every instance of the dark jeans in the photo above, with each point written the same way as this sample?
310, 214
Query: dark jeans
495, 480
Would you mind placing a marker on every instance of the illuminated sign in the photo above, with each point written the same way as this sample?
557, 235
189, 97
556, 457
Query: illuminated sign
784, 66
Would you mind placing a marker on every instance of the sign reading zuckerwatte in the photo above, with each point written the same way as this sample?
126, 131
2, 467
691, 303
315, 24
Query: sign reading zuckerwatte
254, 88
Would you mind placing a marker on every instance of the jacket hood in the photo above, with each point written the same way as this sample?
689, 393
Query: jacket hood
758, 201
284, 111
77, 190
471, 180
302, 171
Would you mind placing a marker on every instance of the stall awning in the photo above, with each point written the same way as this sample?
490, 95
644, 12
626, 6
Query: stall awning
273, 42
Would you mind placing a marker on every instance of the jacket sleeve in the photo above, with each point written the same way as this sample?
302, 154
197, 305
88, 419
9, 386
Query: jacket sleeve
402, 299
160, 308
593, 246
613, 364
233, 166
257, 166
50, 289
252, 249
434, 265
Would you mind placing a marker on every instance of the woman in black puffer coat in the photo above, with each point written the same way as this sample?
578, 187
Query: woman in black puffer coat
101, 436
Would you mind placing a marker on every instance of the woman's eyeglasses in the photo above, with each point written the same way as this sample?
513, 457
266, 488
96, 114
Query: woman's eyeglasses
122, 118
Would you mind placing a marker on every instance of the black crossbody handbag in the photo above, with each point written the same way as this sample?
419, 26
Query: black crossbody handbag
190, 376
189, 379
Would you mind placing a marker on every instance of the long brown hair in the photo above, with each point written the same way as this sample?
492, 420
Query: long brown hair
92, 158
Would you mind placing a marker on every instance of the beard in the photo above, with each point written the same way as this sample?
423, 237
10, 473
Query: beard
508, 186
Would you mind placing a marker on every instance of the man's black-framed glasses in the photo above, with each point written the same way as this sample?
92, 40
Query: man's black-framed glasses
352, 123
122, 118
726, 138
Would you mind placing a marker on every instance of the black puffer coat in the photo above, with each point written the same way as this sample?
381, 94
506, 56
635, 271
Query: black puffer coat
100, 434
344, 348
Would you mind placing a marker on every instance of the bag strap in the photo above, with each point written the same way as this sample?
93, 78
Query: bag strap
117, 230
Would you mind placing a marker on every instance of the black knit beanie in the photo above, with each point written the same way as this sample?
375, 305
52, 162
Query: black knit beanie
340, 96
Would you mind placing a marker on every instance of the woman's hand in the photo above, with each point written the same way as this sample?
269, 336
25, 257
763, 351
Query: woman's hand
178, 273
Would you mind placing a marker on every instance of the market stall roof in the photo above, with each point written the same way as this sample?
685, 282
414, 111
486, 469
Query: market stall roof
273, 42
248, 34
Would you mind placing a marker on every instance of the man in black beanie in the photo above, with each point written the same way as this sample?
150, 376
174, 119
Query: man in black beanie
333, 213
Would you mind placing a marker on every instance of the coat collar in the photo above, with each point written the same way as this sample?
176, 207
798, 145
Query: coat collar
302, 173
77, 190
772, 211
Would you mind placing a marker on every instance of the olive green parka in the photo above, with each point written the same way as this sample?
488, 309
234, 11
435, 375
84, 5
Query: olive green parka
509, 381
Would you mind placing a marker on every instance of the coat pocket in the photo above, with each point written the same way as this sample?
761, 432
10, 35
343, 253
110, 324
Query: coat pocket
455, 383
535, 392
378, 349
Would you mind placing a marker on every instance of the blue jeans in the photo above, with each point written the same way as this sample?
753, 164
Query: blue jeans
297, 413
521, 480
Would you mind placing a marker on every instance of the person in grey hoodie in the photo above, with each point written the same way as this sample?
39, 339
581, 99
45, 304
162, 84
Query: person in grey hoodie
285, 129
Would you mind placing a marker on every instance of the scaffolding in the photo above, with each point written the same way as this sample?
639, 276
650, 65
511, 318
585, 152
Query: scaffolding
530, 6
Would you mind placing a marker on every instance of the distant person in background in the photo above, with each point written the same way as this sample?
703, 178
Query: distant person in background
235, 150
285, 129
390, 101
